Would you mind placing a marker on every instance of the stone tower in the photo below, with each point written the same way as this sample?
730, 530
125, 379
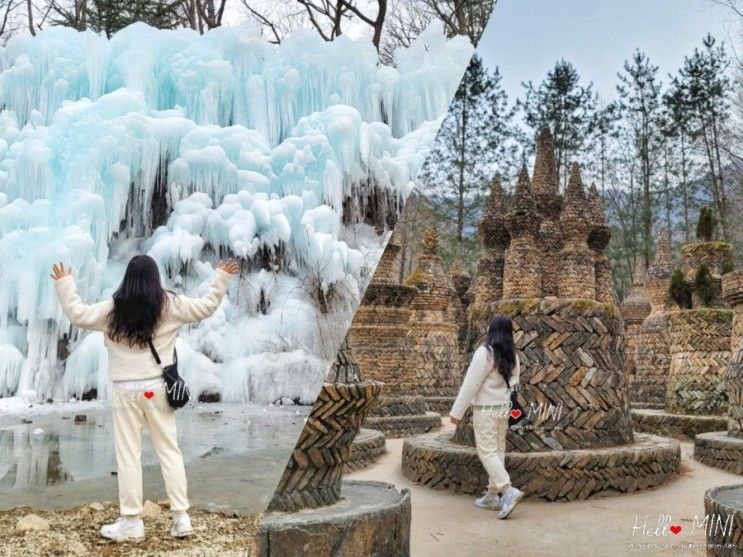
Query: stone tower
635, 308
522, 277
546, 188
488, 283
652, 353
433, 331
577, 270
598, 240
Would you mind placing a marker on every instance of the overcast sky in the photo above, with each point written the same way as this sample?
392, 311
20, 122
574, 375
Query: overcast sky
526, 37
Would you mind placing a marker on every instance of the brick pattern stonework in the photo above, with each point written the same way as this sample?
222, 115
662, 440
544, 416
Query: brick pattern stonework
716, 255
684, 427
652, 355
721, 503
700, 354
435, 362
367, 447
571, 373
635, 309
720, 450
432, 460
312, 478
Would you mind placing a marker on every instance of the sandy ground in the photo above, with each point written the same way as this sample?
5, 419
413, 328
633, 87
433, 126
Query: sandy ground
74, 532
451, 526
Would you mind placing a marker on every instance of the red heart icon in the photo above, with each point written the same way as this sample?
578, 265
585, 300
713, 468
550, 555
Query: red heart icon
675, 528
515, 413
148, 394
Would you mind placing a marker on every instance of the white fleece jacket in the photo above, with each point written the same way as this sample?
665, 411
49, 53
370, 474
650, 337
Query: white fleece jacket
126, 363
483, 384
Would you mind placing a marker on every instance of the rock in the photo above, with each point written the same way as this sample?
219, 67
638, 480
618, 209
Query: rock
32, 522
81, 419
150, 509
164, 503
97, 506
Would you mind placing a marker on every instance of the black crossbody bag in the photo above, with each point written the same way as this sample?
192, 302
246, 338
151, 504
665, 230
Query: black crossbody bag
177, 390
516, 412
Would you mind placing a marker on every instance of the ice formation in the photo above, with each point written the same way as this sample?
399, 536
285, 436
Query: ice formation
194, 148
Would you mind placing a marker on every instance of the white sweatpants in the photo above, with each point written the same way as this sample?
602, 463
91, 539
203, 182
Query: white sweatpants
131, 410
491, 425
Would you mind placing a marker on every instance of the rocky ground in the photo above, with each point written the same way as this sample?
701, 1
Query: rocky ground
28, 532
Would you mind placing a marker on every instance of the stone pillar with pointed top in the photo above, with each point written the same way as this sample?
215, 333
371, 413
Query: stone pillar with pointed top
522, 276
652, 353
577, 272
435, 362
635, 308
488, 282
546, 189
598, 240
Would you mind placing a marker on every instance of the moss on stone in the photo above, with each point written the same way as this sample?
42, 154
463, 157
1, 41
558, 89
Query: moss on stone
707, 314
714, 246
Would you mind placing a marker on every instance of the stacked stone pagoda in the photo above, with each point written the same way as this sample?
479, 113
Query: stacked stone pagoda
635, 309
577, 439
433, 330
652, 354
724, 449
381, 341
699, 348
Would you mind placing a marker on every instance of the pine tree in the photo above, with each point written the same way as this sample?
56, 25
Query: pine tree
110, 16
472, 145
706, 225
705, 85
640, 103
568, 108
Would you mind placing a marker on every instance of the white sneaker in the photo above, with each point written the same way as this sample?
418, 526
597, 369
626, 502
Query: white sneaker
181, 526
510, 499
489, 501
124, 529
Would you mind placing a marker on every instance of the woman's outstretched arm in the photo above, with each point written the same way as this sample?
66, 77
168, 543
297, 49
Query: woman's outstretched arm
190, 310
91, 317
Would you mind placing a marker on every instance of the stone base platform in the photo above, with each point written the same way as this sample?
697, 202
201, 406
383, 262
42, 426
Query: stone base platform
720, 450
366, 448
436, 461
400, 416
724, 507
680, 426
439, 404
404, 426
372, 518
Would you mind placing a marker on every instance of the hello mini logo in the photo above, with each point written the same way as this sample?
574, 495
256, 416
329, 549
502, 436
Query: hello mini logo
665, 525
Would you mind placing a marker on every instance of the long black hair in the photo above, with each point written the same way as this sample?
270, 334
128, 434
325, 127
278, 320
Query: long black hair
499, 342
138, 303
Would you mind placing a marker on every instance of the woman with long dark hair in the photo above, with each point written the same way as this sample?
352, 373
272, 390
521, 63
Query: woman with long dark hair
141, 311
492, 374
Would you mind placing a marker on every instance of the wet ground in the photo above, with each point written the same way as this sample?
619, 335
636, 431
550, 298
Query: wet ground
234, 455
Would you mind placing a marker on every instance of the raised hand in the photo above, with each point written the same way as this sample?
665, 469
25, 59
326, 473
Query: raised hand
229, 267
59, 271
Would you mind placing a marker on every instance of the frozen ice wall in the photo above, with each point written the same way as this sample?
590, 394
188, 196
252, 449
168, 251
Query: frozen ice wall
194, 148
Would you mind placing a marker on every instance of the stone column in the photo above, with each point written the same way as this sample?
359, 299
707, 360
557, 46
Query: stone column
577, 270
732, 291
635, 308
546, 188
715, 255
488, 283
522, 274
598, 240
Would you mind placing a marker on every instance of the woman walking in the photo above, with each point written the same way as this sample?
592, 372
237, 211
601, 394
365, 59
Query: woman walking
141, 311
492, 374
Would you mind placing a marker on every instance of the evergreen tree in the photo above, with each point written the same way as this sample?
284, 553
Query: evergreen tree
566, 107
705, 85
109, 16
472, 145
640, 103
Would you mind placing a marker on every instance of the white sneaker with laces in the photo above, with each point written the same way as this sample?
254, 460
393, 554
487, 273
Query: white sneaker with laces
489, 501
510, 499
124, 529
181, 526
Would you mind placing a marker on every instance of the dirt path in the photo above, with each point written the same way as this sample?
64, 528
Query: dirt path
451, 526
